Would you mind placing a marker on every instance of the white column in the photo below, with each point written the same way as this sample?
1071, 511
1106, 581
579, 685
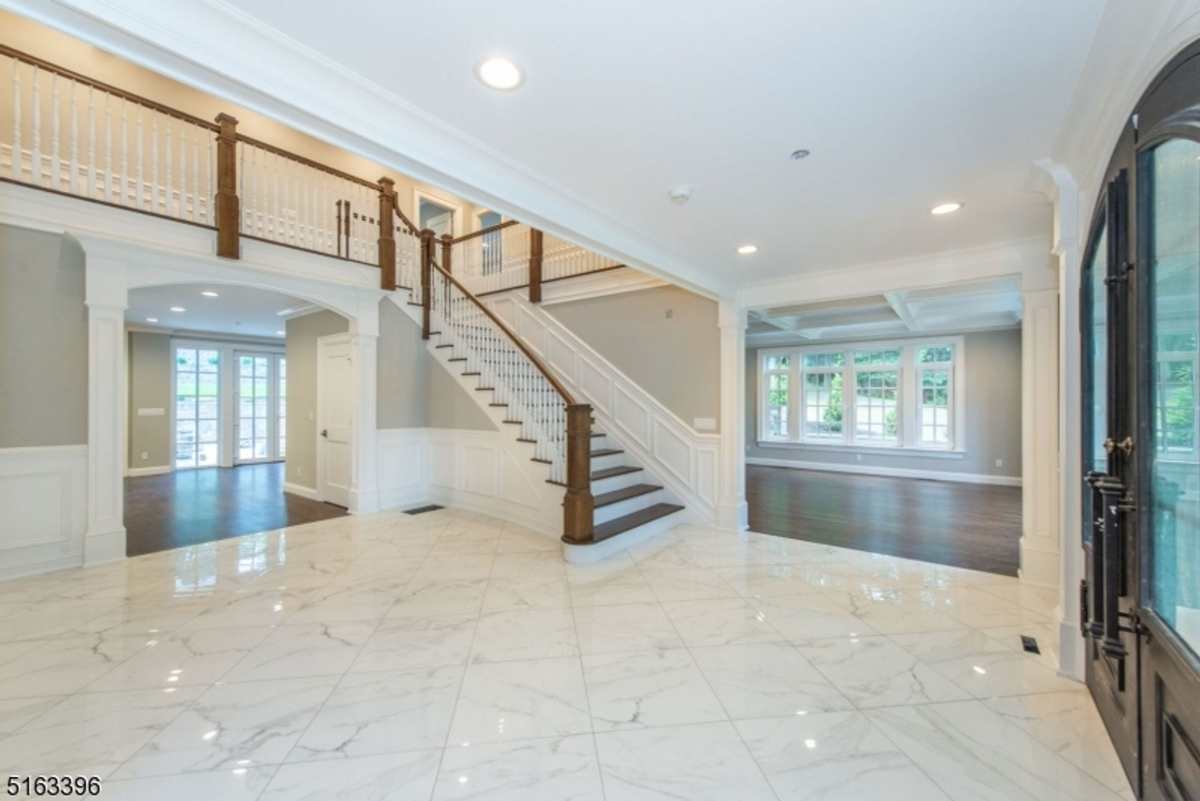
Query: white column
1039, 438
106, 299
731, 512
364, 335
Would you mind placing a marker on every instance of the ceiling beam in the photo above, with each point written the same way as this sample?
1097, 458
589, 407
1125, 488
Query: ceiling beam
897, 301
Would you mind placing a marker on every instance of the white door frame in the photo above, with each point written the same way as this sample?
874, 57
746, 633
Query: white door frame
323, 345
420, 193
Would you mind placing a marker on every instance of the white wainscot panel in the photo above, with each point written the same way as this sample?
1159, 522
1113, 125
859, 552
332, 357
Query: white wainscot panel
506, 309
401, 466
561, 355
706, 474
531, 330
673, 451
43, 508
515, 485
442, 464
479, 469
595, 385
631, 416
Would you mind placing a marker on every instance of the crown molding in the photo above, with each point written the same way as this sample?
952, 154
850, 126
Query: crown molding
216, 48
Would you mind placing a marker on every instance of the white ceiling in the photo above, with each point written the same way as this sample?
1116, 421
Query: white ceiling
953, 308
236, 311
903, 105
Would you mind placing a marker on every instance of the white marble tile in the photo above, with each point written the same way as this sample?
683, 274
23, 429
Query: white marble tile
156, 616
891, 611
389, 777
378, 713
92, 735
261, 607
527, 592
1041, 600
623, 629
424, 597
551, 769
972, 752
694, 584
521, 700
803, 618
1069, 725
311, 649
529, 563
720, 622
349, 600
606, 586
413, 642
53, 618
974, 607
657, 557
65, 666
834, 756
456, 546
232, 726
760, 581
182, 659
648, 688
455, 567
238, 784
980, 665
1046, 635
524, 634
515, 539
16, 712
875, 672
702, 762
767, 680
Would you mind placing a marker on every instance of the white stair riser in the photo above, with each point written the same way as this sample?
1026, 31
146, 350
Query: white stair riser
626, 507
605, 462
599, 443
587, 554
603, 485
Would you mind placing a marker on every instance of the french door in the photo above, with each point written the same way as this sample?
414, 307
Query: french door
260, 400
1141, 335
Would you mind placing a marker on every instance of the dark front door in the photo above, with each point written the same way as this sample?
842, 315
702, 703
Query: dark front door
1142, 446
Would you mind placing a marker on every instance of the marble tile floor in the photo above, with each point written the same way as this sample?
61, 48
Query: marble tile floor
452, 656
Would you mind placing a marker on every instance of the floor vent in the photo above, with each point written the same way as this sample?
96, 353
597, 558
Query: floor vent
422, 509
1030, 645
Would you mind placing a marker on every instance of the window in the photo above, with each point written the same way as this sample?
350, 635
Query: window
886, 395
197, 430
281, 408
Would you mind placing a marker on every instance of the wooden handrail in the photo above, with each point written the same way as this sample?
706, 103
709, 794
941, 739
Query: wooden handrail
562, 391
412, 229
316, 165
109, 88
489, 230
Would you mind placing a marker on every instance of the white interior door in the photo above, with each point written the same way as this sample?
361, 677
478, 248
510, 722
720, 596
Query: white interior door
334, 404
441, 224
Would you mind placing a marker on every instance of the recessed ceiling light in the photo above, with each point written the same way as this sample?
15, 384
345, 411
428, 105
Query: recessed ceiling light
152, 319
210, 294
178, 309
946, 208
498, 72
796, 155
747, 249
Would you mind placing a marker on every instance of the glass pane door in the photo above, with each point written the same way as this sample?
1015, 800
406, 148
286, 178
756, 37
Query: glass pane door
255, 413
197, 407
1173, 179
281, 406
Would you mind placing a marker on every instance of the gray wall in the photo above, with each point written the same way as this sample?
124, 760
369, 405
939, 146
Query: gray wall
993, 410
414, 389
149, 388
676, 359
43, 340
302, 333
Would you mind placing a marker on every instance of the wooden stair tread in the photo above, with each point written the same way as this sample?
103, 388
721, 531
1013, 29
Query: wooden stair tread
623, 494
609, 472
642, 516
606, 452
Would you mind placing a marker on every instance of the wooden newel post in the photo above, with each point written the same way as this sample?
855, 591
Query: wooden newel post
387, 234
228, 211
578, 504
426, 278
535, 265
447, 246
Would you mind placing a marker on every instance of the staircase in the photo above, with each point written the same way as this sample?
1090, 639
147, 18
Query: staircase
609, 502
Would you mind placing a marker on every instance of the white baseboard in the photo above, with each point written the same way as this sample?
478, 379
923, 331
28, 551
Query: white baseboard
299, 489
138, 472
896, 472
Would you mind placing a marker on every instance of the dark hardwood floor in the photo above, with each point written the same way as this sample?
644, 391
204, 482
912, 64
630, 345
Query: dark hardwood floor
975, 526
193, 506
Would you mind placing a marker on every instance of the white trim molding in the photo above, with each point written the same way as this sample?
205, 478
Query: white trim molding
43, 494
300, 490
897, 472
734, 513
684, 461
1039, 438
142, 472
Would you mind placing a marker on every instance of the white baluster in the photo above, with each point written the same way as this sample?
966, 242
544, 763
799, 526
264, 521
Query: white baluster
209, 200
35, 161
108, 183
183, 170
252, 178
74, 169
125, 151
154, 161
247, 209
139, 188
195, 173
17, 154
169, 208
91, 154
55, 162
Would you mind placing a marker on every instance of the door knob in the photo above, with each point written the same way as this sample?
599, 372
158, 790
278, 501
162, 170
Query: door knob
1125, 446
325, 433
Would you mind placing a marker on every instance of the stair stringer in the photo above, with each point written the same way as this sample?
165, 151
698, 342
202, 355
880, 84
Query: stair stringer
682, 460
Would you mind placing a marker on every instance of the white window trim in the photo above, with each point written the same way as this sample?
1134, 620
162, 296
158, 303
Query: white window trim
456, 221
908, 397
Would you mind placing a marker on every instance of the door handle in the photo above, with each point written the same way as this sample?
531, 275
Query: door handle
325, 433
1125, 446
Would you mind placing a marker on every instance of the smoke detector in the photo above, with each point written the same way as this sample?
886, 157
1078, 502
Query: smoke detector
680, 195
